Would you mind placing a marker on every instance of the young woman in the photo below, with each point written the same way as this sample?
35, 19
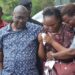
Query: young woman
52, 23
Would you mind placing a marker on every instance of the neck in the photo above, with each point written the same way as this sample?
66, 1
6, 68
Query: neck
14, 28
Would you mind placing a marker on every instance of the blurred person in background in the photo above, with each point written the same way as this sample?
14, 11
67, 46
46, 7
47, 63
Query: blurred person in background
2, 24
28, 5
68, 13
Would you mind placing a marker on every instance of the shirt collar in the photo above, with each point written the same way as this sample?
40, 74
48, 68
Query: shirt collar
9, 28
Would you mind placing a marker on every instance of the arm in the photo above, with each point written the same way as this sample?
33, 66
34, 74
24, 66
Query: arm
1, 50
41, 51
63, 53
1, 59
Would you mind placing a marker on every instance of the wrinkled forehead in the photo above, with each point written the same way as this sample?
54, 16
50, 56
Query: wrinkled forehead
20, 13
20, 10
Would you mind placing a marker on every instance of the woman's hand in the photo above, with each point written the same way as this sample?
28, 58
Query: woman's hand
49, 38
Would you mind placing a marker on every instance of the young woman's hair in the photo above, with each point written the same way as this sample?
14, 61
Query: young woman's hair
52, 11
68, 9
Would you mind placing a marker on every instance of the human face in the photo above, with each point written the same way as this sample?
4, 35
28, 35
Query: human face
72, 21
20, 19
66, 18
50, 23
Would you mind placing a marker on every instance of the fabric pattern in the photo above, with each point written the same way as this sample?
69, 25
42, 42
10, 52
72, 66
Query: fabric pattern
19, 48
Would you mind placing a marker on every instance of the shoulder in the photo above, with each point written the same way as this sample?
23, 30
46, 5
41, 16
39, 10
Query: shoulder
35, 22
3, 30
5, 22
33, 26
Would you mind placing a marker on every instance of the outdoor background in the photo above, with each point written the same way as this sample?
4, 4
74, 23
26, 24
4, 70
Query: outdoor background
8, 6
37, 5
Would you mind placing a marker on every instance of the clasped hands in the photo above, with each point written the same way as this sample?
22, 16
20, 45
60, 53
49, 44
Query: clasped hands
48, 39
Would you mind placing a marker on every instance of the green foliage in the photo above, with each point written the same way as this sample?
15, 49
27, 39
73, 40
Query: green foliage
8, 6
40, 4
7, 18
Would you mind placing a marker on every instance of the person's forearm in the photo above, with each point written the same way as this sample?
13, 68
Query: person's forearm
41, 52
1, 65
64, 54
1, 60
1, 56
58, 46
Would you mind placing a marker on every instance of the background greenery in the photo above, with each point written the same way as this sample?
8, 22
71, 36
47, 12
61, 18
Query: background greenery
37, 5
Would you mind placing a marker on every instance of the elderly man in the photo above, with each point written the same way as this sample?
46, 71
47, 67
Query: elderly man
2, 24
18, 41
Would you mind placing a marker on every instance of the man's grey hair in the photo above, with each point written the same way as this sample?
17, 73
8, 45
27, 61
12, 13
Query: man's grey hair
20, 8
